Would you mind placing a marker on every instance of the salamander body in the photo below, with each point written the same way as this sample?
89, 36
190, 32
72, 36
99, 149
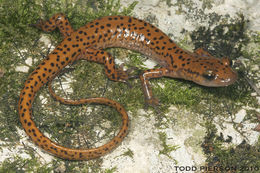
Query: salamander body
88, 43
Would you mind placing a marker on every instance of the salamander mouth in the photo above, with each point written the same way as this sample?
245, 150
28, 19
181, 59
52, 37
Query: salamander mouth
219, 82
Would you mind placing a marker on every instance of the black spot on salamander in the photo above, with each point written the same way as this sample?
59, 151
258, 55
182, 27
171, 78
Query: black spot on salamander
115, 141
73, 54
110, 61
113, 76
180, 57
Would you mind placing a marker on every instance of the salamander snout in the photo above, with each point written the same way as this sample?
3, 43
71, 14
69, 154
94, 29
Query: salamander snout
218, 73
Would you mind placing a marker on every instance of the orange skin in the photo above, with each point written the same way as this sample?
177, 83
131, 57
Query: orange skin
88, 43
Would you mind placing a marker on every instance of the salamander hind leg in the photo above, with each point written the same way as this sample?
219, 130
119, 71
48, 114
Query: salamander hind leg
103, 57
98, 56
57, 21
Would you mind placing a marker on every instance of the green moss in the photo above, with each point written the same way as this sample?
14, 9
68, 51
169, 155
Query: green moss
129, 153
207, 4
24, 165
168, 2
166, 148
110, 170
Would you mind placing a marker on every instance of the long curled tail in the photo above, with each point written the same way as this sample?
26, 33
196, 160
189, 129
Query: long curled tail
25, 112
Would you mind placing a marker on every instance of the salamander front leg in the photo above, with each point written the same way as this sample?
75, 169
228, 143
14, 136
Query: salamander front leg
202, 52
145, 76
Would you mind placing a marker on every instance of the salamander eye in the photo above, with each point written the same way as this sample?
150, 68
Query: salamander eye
209, 75
226, 61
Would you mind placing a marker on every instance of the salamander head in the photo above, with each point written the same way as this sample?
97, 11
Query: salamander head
209, 71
